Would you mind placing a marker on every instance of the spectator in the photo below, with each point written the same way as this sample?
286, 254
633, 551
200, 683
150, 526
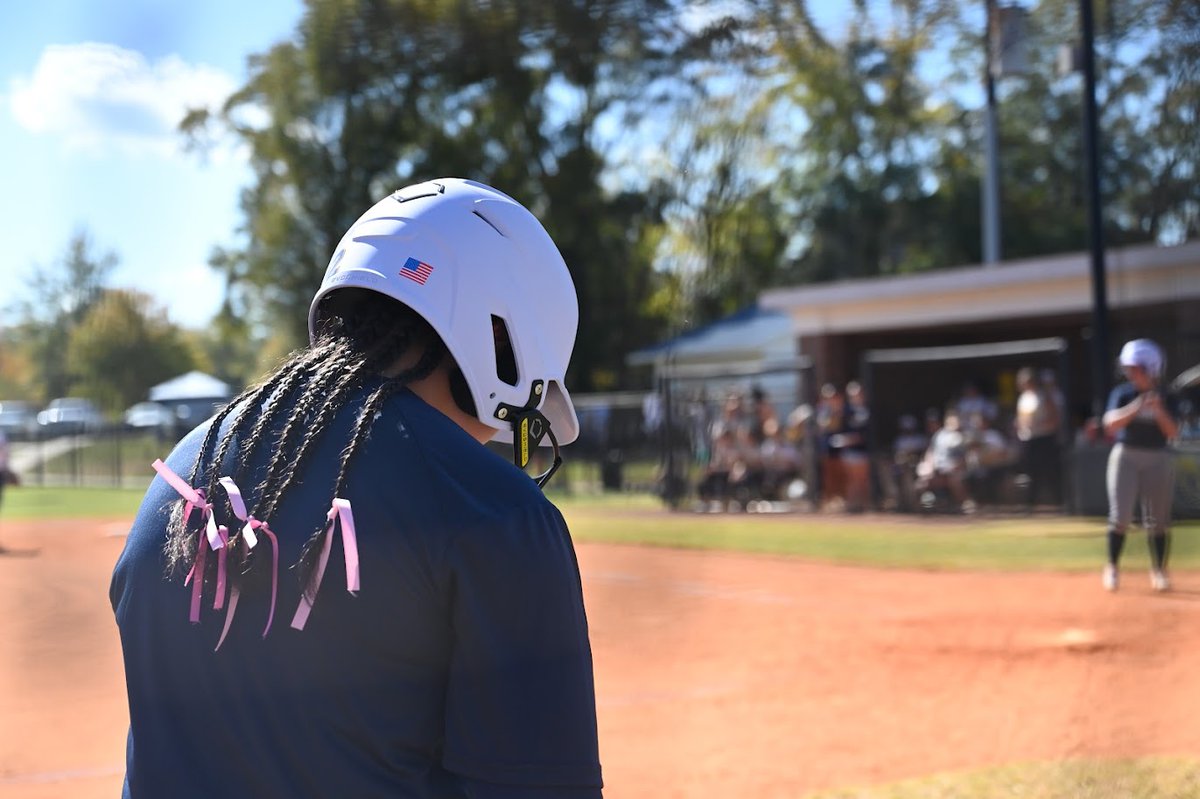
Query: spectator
761, 412
714, 486
831, 413
972, 401
733, 413
1037, 425
988, 455
855, 454
746, 473
943, 469
1050, 384
899, 475
800, 436
780, 461
5, 474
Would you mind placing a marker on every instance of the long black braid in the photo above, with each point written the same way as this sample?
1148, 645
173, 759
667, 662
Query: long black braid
180, 546
288, 388
317, 408
430, 359
270, 391
365, 334
301, 412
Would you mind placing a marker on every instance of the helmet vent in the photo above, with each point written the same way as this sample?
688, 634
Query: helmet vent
490, 224
430, 189
506, 359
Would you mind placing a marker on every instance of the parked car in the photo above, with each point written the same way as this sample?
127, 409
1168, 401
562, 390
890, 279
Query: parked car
18, 420
150, 417
68, 415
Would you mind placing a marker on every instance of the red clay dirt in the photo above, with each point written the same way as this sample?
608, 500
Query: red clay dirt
717, 675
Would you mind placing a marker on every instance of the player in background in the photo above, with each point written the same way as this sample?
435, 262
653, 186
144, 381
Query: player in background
4, 473
452, 658
1143, 422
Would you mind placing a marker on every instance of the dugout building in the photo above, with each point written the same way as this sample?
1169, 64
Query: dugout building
1019, 310
916, 339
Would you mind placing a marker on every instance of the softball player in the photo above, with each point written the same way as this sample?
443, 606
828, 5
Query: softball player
454, 659
1143, 421
4, 473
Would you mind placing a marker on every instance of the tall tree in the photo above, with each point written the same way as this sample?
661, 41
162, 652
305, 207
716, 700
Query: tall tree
58, 298
122, 347
1150, 56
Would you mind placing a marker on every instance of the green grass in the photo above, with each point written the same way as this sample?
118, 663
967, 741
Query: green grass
1148, 778
1044, 543
32, 502
1041, 543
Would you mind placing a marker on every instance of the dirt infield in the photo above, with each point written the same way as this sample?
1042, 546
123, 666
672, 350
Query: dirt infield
717, 675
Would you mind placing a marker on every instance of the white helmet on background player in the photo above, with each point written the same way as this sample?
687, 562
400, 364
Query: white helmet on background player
1144, 353
476, 265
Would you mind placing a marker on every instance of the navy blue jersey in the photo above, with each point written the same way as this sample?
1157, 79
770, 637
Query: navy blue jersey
1143, 430
462, 667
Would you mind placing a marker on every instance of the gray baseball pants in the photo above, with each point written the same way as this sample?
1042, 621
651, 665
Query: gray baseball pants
1134, 472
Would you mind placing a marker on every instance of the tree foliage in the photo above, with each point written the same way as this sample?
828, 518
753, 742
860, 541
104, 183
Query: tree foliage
687, 155
371, 95
122, 347
59, 297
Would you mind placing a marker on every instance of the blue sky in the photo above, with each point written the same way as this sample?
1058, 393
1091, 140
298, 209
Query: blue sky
90, 95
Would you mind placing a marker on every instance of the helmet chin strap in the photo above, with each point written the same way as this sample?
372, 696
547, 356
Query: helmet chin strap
530, 426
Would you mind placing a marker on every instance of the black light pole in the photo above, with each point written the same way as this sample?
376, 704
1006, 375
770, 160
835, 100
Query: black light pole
990, 207
1101, 368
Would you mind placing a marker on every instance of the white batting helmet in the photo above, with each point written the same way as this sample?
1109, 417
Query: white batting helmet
473, 262
1144, 353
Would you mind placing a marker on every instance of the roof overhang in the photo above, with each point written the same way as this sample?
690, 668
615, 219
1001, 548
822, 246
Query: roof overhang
1055, 285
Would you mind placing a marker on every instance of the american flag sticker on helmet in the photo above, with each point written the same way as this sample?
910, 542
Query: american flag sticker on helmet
416, 271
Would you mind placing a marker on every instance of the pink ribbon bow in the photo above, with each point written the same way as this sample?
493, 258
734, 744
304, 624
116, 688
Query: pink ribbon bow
216, 537
249, 541
342, 512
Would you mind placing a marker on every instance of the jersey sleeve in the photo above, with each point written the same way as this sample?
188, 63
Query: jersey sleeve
1118, 397
520, 701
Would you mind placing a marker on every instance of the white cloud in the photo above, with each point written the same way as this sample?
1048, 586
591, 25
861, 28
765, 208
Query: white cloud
97, 97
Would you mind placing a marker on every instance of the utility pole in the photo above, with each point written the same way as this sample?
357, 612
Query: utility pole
1101, 367
991, 175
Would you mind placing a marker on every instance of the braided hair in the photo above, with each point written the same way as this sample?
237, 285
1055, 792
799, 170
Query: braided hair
364, 334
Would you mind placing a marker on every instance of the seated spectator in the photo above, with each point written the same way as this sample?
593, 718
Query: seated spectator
831, 412
801, 437
989, 454
944, 467
855, 455
899, 473
780, 462
746, 474
714, 485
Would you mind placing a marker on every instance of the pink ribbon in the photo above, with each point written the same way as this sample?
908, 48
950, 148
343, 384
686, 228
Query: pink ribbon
219, 599
195, 500
342, 512
249, 541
